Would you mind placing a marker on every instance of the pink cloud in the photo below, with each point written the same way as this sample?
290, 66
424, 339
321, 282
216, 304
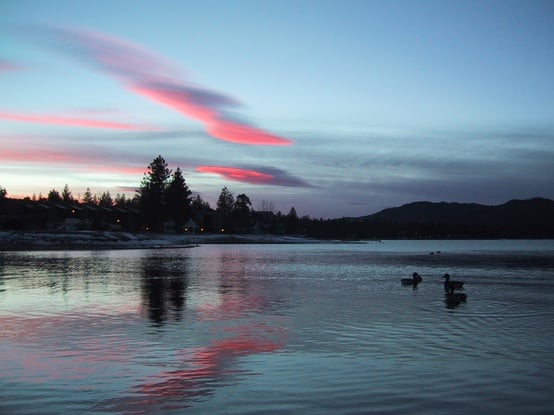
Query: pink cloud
39, 155
241, 175
203, 106
259, 175
87, 160
112, 55
181, 100
72, 122
155, 78
243, 134
6, 66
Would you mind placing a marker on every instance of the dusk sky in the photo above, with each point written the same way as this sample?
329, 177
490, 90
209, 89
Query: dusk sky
338, 108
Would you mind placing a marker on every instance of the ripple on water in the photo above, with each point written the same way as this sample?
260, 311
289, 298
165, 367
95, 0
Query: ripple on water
260, 330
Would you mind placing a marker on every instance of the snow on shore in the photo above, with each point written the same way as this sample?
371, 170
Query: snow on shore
44, 240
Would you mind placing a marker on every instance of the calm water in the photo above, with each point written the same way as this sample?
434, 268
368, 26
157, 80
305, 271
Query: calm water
278, 329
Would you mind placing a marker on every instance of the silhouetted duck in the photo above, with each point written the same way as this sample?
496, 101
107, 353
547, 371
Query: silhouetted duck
451, 285
416, 279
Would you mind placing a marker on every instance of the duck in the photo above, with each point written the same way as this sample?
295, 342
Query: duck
451, 285
416, 279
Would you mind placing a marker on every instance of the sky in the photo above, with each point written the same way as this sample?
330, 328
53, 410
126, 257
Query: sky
338, 108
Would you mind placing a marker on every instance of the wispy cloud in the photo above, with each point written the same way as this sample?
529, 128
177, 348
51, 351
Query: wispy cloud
6, 66
241, 175
85, 160
41, 151
157, 79
72, 122
123, 60
258, 175
206, 107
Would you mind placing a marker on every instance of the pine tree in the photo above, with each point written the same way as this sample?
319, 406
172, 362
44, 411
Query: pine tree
291, 221
242, 211
54, 196
242, 205
152, 193
225, 204
198, 205
88, 198
66, 194
177, 200
120, 200
106, 200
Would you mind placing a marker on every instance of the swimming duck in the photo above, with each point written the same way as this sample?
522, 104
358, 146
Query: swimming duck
416, 279
451, 285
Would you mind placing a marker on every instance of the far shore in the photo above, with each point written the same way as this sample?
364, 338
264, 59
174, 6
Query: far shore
97, 240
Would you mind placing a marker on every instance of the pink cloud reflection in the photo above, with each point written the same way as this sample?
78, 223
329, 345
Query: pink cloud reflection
72, 122
60, 358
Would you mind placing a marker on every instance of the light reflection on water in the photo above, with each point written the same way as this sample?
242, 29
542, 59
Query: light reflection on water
278, 329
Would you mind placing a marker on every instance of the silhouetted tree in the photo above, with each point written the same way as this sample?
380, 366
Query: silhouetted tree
88, 198
199, 210
225, 204
3, 198
106, 200
54, 196
242, 205
66, 194
242, 211
291, 221
199, 205
152, 193
178, 200
120, 200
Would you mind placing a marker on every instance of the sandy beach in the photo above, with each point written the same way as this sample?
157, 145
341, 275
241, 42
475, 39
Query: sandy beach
85, 240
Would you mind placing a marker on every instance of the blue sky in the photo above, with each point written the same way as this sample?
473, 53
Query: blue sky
338, 108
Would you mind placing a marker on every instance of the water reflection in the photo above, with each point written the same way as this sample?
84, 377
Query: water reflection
262, 329
164, 284
198, 371
228, 318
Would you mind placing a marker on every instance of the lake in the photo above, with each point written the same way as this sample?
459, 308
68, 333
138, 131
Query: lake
279, 329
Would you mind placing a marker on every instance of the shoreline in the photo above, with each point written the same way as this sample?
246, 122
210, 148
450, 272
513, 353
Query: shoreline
104, 240
42, 240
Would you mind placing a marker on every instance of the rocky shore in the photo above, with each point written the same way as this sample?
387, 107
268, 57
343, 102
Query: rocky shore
92, 240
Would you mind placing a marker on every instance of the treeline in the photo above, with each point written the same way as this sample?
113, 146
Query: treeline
163, 202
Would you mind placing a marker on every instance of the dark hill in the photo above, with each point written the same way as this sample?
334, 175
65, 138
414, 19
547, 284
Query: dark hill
531, 218
535, 211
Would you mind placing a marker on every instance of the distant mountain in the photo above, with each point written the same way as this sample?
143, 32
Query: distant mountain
536, 211
531, 218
